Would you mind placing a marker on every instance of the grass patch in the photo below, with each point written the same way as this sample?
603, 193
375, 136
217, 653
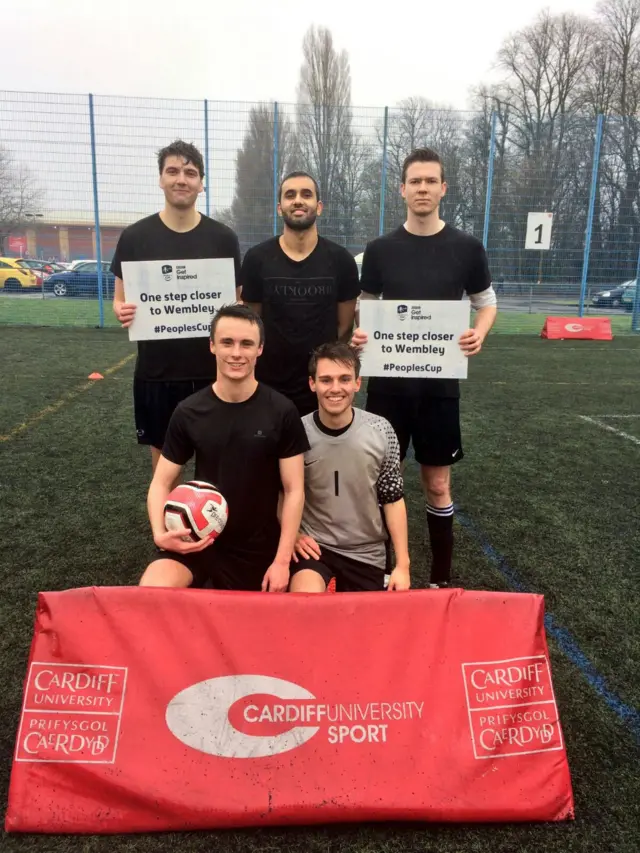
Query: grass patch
85, 312
556, 496
54, 312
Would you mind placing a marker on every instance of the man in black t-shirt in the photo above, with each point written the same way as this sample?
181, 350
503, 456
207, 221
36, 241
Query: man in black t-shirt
422, 260
304, 286
167, 371
249, 442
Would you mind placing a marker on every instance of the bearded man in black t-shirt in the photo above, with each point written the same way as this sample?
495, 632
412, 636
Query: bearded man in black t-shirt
248, 441
167, 371
426, 259
305, 288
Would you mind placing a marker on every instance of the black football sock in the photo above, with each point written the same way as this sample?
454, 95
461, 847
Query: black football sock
440, 524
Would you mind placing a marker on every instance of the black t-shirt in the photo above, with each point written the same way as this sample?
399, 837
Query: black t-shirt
151, 240
443, 266
299, 307
237, 448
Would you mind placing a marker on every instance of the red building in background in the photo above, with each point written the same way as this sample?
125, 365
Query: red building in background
65, 238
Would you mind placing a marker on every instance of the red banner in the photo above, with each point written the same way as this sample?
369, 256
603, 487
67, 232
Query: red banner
577, 328
17, 244
153, 709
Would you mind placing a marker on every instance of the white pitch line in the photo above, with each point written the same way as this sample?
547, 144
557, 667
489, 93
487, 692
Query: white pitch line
610, 429
619, 416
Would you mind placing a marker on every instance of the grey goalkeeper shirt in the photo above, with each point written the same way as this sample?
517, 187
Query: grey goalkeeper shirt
348, 477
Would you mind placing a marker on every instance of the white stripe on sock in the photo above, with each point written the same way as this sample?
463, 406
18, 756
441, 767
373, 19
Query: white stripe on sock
442, 511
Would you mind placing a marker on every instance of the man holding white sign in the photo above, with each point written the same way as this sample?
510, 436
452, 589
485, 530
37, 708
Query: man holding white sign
424, 262
171, 310
414, 339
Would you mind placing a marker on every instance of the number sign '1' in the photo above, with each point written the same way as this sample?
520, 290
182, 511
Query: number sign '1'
539, 231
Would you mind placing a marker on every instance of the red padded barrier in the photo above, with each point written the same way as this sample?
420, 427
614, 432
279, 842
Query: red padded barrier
577, 328
152, 709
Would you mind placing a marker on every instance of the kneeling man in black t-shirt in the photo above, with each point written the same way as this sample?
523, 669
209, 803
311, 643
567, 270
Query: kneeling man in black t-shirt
249, 442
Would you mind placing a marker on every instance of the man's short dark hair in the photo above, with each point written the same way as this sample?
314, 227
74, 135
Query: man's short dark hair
421, 155
299, 175
335, 351
238, 311
186, 150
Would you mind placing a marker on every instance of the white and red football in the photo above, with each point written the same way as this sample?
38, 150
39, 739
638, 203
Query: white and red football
197, 506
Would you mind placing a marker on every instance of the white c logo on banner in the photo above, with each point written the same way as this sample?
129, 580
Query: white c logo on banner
574, 327
199, 716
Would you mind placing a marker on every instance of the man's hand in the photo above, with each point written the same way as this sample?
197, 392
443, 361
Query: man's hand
125, 312
171, 540
399, 578
276, 578
307, 547
470, 342
359, 338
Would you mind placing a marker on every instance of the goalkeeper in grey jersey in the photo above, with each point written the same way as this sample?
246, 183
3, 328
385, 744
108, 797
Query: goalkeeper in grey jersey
353, 487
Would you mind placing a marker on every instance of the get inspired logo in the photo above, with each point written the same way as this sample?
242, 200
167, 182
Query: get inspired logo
167, 272
402, 312
255, 716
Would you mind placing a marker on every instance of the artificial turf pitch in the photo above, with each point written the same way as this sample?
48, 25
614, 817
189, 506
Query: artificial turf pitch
548, 502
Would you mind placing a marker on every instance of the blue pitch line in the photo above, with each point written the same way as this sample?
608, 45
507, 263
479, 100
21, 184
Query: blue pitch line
566, 642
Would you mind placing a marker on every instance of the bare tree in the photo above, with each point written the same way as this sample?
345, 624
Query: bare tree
324, 116
621, 37
350, 191
618, 224
549, 135
546, 66
251, 211
417, 123
20, 197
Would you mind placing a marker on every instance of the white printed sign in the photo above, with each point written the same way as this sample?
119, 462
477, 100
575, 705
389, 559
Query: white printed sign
177, 299
539, 231
414, 339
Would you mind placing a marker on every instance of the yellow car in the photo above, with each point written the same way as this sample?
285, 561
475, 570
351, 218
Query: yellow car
14, 276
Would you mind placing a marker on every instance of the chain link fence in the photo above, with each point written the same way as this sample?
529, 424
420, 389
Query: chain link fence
76, 169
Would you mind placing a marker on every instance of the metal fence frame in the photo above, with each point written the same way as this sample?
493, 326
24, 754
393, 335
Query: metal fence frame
488, 200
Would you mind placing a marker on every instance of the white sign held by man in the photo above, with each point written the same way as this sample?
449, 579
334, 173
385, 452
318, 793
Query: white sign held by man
177, 299
417, 340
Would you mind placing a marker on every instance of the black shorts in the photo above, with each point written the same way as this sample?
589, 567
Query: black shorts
221, 568
351, 575
154, 403
432, 424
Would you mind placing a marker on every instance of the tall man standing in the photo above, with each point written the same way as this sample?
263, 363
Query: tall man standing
305, 288
167, 371
426, 259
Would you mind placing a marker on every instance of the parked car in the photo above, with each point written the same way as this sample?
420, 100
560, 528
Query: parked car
15, 277
612, 296
81, 281
629, 296
45, 268
73, 264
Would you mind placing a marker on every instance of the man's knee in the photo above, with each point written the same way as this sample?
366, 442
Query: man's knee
436, 483
306, 580
167, 573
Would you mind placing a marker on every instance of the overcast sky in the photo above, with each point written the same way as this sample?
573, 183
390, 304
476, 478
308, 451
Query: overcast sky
250, 50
